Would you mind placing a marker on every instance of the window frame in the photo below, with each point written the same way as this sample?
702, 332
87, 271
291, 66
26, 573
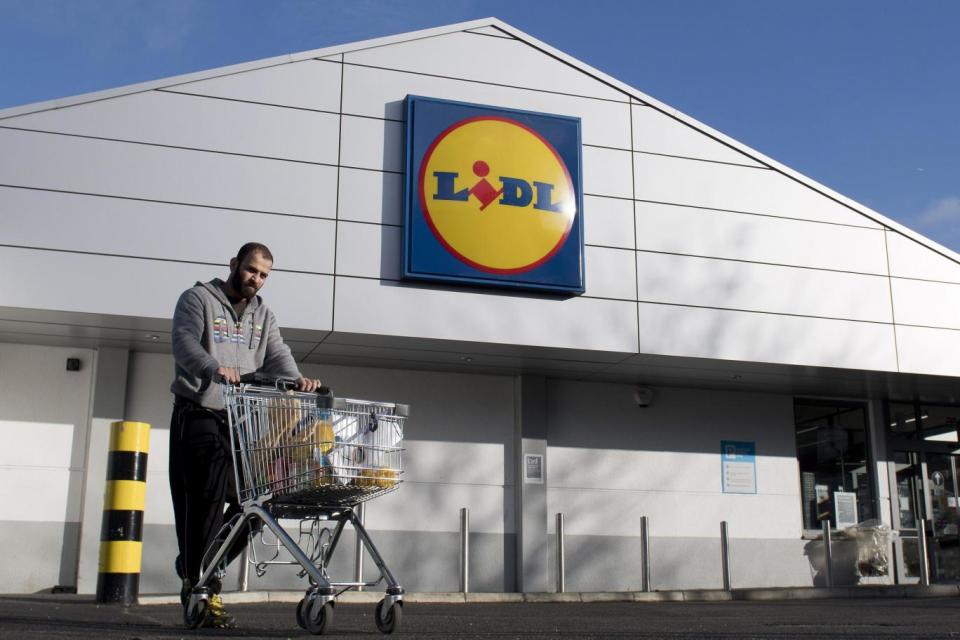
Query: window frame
869, 452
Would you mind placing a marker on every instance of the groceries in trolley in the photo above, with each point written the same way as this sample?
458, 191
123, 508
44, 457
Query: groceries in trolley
298, 445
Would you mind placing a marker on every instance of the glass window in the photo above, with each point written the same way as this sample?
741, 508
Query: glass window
903, 420
835, 475
938, 424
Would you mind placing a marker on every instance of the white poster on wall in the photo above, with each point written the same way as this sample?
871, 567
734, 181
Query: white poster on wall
845, 504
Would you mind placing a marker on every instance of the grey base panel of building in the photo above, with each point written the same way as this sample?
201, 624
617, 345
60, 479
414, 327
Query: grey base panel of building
421, 561
614, 563
28, 557
429, 562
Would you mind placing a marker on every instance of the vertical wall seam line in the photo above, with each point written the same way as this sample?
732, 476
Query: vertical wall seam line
893, 311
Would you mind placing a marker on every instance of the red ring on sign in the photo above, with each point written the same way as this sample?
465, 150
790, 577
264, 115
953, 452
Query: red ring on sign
433, 227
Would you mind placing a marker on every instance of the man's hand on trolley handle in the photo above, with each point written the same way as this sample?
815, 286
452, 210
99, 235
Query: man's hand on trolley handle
308, 384
229, 375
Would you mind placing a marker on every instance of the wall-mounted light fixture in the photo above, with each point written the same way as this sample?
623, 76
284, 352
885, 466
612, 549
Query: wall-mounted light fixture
643, 396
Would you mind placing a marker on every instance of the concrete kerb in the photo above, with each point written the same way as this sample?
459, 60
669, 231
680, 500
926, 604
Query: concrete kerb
706, 595
607, 596
933, 591
551, 597
684, 595
496, 598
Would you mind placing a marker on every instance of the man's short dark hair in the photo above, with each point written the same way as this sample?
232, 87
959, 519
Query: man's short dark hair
254, 247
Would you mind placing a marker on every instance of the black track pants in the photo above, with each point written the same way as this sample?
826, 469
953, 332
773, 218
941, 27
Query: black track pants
201, 483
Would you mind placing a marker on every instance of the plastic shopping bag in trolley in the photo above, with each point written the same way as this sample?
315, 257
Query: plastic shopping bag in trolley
367, 449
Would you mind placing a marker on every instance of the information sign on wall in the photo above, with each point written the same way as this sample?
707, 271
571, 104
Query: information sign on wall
493, 197
533, 468
738, 466
846, 508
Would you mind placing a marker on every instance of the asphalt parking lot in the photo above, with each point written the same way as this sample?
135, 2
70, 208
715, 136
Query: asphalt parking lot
65, 617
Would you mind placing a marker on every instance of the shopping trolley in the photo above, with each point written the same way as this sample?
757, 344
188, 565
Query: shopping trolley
313, 458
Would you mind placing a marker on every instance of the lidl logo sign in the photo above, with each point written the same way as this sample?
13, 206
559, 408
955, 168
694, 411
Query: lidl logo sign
493, 197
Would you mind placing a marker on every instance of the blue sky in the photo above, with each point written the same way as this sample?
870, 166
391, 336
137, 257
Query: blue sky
859, 95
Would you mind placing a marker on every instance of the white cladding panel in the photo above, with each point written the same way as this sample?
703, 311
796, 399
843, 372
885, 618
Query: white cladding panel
610, 273
172, 119
64, 163
607, 172
746, 286
656, 132
371, 196
379, 93
929, 351
54, 494
496, 61
927, 304
369, 143
369, 250
308, 84
722, 234
722, 186
72, 222
36, 444
475, 316
608, 222
763, 337
299, 300
910, 259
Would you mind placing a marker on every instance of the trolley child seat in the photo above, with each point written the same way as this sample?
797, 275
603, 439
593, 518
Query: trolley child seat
313, 458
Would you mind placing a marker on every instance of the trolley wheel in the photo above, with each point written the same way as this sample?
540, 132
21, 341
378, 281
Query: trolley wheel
391, 621
318, 617
193, 614
301, 619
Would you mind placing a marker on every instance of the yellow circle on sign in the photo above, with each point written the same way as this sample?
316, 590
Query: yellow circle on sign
497, 195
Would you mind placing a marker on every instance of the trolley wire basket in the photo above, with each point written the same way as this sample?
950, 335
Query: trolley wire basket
311, 449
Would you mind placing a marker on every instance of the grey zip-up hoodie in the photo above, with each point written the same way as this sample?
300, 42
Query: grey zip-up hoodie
207, 334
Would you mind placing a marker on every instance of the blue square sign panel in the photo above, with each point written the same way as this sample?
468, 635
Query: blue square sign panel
493, 197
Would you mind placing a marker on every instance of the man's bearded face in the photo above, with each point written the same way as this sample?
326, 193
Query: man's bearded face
248, 277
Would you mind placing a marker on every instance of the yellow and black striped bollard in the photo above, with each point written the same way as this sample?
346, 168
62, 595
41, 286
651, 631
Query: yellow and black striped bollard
121, 531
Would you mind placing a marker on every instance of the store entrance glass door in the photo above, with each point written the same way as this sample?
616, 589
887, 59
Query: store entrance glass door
941, 481
925, 446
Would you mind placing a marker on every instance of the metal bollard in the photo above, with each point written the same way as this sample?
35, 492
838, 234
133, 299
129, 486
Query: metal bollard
465, 550
561, 582
922, 551
243, 579
645, 552
827, 552
725, 556
121, 529
358, 549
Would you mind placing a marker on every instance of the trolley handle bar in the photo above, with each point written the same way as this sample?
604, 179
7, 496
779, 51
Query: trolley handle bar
262, 379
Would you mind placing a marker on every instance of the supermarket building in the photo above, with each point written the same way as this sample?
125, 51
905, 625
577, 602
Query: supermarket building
735, 318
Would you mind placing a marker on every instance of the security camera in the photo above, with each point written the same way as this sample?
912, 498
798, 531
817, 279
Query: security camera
643, 396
